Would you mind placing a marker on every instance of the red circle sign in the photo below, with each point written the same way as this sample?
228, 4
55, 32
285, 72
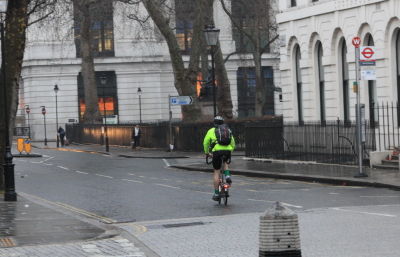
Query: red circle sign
368, 52
356, 42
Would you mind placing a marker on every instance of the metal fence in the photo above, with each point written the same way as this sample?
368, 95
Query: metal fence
386, 121
330, 142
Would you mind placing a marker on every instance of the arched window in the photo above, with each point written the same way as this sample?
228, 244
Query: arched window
299, 89
371, 87
345, 80
321, 81
398, 64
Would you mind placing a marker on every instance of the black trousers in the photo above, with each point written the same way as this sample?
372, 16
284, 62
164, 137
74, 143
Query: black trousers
136, 141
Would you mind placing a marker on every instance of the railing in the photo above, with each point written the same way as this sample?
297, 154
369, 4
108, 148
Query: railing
387, 125
330, 142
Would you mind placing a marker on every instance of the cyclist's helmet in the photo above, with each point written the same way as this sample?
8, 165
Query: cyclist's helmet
218, 120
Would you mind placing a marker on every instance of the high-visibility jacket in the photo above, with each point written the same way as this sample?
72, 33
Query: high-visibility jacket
211, 140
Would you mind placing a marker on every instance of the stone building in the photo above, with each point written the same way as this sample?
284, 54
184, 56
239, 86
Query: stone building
318, 59
129, 57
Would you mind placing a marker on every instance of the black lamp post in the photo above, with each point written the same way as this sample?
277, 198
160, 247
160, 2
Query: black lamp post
211, 34
139, 92
44, 124
8, 166
28, 110
56, 91
103, 81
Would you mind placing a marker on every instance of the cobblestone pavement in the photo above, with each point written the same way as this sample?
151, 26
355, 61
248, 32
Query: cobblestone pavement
363, 231
101, 248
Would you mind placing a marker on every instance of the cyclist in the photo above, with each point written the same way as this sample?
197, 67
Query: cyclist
220, 154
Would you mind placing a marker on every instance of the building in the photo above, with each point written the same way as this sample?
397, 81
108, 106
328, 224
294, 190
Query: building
129, 57
318, 59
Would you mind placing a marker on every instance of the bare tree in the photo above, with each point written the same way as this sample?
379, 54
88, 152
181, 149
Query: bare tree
19, 15
162, 13
253, 21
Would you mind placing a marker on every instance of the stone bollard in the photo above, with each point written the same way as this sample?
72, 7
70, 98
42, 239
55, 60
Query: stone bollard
279, 233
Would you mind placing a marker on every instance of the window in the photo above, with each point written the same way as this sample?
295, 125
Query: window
107, 95
293, 3
299, 85
101, 30
246, 83
184, 15
345, 81
252, 18
321, 82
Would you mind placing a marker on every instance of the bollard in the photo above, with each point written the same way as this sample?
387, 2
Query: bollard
279, 233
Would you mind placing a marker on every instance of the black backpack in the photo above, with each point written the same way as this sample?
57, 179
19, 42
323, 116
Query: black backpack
223, 134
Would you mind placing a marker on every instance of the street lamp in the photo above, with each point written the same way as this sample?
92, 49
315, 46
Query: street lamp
211, 34
139, 92
103, 81
28, 110
56, 91
8, 166
44, 123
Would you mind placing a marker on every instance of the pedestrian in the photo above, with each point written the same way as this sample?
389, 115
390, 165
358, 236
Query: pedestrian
61, 134
136, 134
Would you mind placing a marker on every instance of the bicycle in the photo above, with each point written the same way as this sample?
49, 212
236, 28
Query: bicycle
223, 187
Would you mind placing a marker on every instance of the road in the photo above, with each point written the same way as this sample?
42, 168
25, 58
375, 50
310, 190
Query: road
127, 190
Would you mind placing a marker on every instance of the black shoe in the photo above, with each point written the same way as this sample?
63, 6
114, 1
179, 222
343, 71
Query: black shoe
216, 197
229, 180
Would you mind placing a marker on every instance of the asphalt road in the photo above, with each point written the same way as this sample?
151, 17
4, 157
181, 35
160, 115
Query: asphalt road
127, 190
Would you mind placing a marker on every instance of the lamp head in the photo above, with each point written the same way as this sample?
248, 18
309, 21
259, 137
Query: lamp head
139, 91
211, 34
56, 88
3, 6
103, 80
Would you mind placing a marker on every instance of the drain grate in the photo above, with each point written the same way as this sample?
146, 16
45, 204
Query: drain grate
182, 224
7, 242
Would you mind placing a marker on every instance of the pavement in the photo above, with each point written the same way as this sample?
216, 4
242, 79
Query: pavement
34, 227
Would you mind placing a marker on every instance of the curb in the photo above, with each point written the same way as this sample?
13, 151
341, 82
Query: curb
300, 177
27, 155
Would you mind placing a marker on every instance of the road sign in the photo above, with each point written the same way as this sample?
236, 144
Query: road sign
181, 100
356, 42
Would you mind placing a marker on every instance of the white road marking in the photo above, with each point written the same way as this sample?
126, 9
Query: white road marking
130, 180
62, 167
203, 192
21, 160
48, 164
381, 196
368, 213
104, 176
37, 162
48, 159
305, 189
81, 172
269, 201
333, 193
166, 162
167, 186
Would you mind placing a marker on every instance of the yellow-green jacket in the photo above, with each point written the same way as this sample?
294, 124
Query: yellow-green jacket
211, 139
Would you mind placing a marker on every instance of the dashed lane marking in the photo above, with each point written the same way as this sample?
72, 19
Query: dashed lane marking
81, 172
62, 167
380, 196
104, 176
48, 164
48, 159
131, 180
163, 185
269, 201
37, 162
333, 193
368, 213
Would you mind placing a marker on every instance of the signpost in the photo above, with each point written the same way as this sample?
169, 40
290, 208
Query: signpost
176, 100
366, 53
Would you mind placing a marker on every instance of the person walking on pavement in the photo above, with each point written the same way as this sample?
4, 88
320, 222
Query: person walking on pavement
136, 134
61, 134
219, 143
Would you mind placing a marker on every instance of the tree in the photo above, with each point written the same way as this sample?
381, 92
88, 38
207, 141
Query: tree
20, 14
160, 12
253, 22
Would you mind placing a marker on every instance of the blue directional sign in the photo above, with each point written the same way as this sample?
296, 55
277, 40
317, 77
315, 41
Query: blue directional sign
181, 100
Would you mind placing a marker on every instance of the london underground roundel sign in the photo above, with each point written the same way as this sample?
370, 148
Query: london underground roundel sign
356, 42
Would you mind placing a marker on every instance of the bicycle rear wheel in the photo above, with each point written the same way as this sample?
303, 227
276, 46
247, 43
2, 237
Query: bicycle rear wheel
226, 199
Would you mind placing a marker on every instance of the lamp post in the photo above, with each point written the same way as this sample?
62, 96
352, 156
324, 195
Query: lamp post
56, 91
211, 34
103, 81
28, 110
44, 124
8, 166
139, 92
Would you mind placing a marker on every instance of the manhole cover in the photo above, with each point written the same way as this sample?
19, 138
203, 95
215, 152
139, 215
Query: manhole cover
7, 242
